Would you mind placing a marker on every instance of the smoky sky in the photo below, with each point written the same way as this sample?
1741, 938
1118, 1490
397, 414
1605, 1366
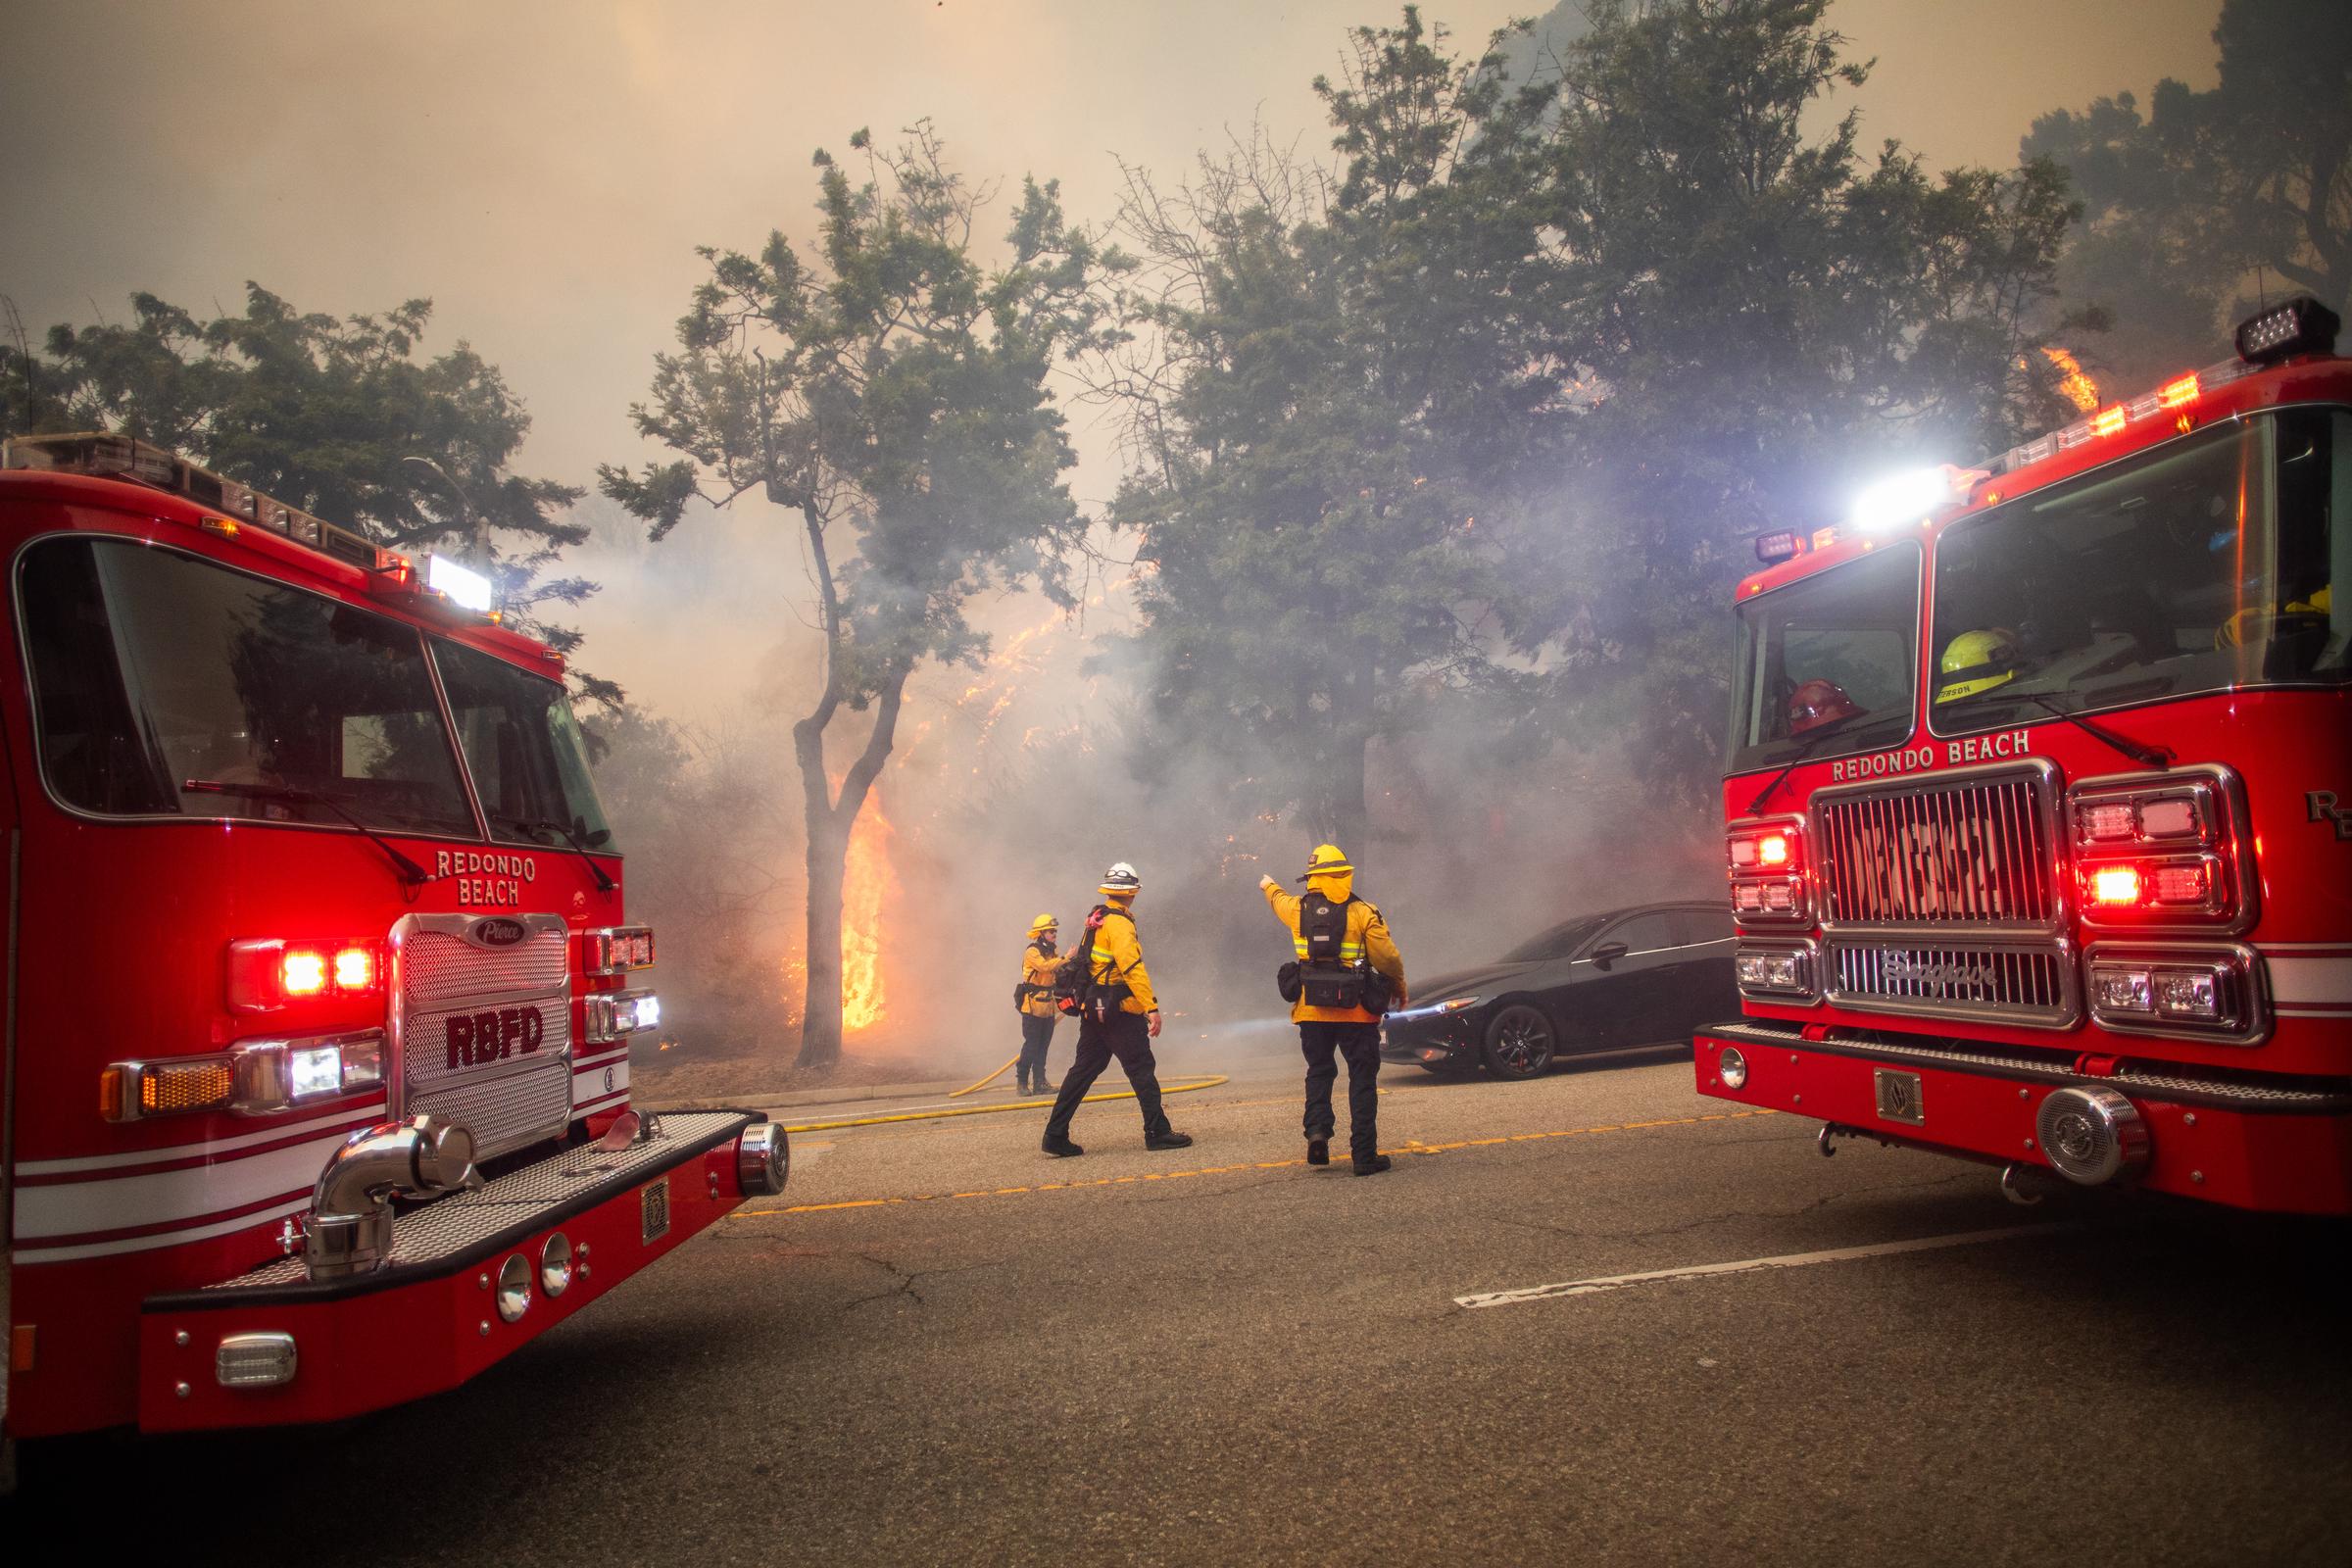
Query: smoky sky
543, 172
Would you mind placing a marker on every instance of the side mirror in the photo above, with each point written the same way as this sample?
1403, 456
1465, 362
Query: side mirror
1608, 952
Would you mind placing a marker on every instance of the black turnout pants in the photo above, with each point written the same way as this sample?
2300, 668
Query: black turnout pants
1123, 1035
1036, 1034
1359, 1045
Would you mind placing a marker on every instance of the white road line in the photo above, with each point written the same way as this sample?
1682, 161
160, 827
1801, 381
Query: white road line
1836, 1254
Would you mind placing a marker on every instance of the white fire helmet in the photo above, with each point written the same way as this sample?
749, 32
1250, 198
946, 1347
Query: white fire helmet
1120, 881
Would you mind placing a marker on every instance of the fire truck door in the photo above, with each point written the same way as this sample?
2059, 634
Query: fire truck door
10, 827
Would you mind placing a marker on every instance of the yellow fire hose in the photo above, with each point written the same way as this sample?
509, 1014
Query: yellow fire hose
1180, 1085
985, 1082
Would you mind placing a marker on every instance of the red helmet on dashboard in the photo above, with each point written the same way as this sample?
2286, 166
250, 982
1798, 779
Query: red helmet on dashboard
1817, 703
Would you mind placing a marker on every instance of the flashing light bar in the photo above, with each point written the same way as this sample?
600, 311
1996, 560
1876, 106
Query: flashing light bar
460, 585
104, 456
2301, 325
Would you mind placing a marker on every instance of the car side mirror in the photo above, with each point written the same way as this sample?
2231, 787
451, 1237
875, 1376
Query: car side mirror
1608, 952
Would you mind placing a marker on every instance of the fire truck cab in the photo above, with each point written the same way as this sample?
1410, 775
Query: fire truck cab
318, 985
2039, 805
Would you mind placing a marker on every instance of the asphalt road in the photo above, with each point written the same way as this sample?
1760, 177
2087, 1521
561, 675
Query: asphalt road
942, 1347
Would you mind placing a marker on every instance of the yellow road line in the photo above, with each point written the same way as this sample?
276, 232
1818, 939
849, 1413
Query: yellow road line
1178, 1086
1413, 1146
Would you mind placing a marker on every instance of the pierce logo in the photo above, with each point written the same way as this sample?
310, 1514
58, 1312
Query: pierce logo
498, 933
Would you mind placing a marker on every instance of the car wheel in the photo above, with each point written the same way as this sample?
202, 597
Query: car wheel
1520, 1043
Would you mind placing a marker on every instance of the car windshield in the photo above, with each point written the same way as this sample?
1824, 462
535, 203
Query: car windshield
165, 684
2205, 564
529, 758
1824, 667
1560, 942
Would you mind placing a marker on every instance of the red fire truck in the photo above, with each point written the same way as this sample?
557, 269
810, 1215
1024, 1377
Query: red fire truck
318, 986
2039, 813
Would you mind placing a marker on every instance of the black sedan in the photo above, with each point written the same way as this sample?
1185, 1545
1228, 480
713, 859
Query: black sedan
1622, 981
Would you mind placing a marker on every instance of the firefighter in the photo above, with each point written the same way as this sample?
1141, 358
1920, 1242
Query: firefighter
1976, 661
1342, 956
1117, 1016
1040, 965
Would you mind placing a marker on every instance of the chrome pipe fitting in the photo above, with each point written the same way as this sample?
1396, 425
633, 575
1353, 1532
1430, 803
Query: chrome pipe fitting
2021, 1185
350, 1225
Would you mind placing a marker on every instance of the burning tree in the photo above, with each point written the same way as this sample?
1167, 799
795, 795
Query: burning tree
892, 397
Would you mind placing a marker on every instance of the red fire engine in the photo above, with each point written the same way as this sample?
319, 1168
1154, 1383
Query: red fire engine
2039, 800
317, 991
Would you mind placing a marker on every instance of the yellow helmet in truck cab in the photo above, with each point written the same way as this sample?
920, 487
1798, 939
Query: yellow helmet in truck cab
1976, 661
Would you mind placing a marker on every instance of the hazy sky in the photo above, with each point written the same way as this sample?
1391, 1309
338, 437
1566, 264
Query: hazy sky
543, 171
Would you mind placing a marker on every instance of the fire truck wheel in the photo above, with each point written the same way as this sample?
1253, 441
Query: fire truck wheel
1520, 1041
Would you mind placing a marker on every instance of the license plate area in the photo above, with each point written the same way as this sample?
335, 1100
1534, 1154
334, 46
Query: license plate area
1901, 1097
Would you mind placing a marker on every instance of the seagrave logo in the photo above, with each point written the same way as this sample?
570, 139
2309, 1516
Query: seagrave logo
1943, 976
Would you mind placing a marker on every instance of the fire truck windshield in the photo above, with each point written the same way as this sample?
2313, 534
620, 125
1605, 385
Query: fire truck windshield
525, 752
2204, 564
153, 670
1825, 667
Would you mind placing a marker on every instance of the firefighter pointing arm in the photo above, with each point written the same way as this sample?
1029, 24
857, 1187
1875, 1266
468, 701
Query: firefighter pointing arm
1346, 972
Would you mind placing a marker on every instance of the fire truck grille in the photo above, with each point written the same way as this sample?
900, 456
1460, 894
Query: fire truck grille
504, 1113
440, 966
2029, 983
1979, 852
483, 1025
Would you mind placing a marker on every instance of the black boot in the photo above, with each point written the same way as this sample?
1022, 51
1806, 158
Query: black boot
1058, 1145
1167, 1137
1371, 1167
1318, 1150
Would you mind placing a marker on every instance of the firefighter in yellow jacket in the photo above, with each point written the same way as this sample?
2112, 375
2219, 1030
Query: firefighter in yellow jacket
1346, 972
1041, 963
1119, 1016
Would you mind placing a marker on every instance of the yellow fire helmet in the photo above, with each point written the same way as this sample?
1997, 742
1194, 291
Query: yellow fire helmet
1976, 661
2256, 623
1043, 922
1327, 860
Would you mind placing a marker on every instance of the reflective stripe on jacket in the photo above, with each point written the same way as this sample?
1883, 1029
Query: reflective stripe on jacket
1117, 958
1367, 936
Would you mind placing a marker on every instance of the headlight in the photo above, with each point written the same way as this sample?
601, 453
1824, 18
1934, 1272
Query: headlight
1459, 1005
1732, 1067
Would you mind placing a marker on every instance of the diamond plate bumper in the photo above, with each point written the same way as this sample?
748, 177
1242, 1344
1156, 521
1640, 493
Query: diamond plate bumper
428, 1321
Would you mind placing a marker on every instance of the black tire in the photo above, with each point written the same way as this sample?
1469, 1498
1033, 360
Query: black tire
1521, 1042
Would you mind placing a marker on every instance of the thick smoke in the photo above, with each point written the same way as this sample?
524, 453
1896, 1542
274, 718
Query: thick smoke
1012, 786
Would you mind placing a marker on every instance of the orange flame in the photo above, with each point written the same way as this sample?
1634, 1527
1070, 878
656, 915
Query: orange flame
866, 882
2075, 382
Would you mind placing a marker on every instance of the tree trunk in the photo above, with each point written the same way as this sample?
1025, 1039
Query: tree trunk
820, 1006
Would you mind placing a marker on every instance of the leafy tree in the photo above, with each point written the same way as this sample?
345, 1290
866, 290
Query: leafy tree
337, 417
1353, 368
2213, 198
891, 398
1761, 318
